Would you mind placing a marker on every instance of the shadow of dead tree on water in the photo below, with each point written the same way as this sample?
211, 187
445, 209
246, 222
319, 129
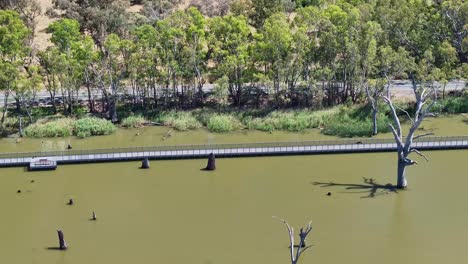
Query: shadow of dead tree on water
369, 186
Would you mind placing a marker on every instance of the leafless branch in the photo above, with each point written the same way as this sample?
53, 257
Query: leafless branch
302, 234
406, 112
419, 153
423, 135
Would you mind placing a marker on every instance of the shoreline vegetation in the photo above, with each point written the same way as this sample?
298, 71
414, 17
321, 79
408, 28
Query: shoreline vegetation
342, 121
257, 65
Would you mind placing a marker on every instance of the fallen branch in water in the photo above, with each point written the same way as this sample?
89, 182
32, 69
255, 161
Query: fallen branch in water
168, 135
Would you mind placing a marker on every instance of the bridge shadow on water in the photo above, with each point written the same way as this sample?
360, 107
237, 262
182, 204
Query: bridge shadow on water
369, 186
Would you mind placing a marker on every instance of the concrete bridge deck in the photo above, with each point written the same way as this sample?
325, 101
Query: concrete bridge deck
230, 150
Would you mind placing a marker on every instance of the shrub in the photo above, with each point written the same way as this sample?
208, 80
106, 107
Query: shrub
11, 122
133, 121
45, 128
290, 121
180, 121
221, 123
92, 126
455, 105
355, 122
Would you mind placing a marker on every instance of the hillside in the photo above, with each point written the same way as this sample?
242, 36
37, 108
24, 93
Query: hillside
42, 39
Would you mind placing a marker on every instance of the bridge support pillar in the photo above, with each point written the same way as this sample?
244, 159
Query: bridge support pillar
145, 164
211, 166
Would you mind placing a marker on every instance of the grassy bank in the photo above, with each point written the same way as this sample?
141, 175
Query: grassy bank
342, 121
65, 127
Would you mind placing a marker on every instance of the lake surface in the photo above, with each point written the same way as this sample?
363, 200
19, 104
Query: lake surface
175, 213
152, 136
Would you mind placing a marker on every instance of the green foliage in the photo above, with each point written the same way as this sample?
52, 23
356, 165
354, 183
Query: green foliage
13, 34
181, 121
64, 33
51, 128
133, 121
65, 127
453, 105
290, 120
10, 123
221, 123
92, 126
355, 122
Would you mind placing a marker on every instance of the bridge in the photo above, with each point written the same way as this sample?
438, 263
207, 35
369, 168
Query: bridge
229, 150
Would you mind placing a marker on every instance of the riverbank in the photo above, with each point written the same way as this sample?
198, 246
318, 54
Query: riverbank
156, 135
342, 121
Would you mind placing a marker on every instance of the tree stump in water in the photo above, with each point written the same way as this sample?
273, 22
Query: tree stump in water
211, 166
145, 164
62, 243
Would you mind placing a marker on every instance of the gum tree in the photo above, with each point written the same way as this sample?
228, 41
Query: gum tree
301, 246
424, 89
13, 36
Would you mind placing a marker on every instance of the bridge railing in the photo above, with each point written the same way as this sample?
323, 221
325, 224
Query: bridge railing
356, 141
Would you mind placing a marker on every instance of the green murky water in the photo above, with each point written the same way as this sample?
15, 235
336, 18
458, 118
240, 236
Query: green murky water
175, 213
151, 136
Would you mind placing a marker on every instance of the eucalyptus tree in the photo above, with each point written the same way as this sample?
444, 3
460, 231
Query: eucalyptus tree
172, 44
455, 15
242, 7
212, 7
98, 18
159, 9
309, 33
146, 62
51, 64
112, 72
230, 45
65, 35
28, 10
366, 69
425, 91
195, 39
337, 51
29, 83
13, 37
85, 53
273, 47
266, 8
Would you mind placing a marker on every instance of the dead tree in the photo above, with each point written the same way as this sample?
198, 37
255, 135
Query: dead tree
301, 247
62, 243
426, 96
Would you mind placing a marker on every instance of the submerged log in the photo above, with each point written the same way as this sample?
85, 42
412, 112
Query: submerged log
167, 135
62, 243
145, 164
211, 166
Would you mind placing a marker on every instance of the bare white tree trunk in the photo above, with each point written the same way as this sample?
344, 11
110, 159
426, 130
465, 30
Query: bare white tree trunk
301, 247
423, 92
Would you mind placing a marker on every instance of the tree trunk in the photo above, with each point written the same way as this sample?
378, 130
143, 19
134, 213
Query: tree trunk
5, 106
90, 98
374, 121
18, 105
401, 181
62, 243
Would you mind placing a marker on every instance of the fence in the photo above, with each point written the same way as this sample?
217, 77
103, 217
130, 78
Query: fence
343, 144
